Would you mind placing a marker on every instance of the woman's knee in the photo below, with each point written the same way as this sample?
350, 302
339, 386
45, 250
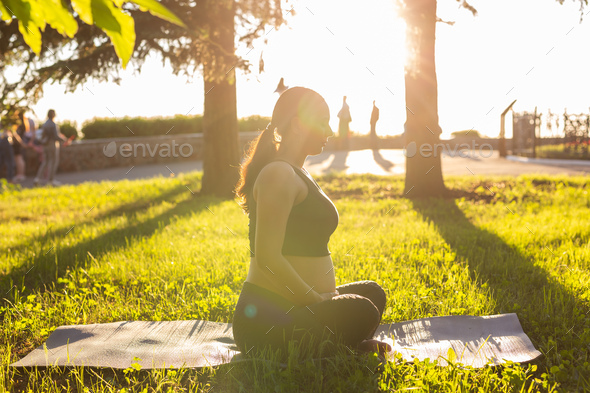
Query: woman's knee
362, 308
346, 312
363, 318
369, 289
378, 296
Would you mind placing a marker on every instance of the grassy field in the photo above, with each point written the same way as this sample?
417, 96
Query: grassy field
152, 250
561, 151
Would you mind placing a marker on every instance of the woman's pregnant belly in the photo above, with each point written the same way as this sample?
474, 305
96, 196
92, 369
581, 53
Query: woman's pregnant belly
317, 272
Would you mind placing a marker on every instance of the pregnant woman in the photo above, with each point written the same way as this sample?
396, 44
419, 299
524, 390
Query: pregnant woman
290, 292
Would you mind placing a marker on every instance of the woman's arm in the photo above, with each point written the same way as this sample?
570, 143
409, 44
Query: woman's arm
275, 190
60, 135
16, 136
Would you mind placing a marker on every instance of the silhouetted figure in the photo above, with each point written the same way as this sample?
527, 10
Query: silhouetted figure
31, 136
20, 144
6, 151
374, 118
281, 87
51, 150
343, 125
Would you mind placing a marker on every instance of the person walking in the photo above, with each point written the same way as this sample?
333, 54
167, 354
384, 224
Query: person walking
343, 124
373, 133
290, 292
51, 135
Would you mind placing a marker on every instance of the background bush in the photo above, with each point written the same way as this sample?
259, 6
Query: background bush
470, 133
253, 123
141, 126
69, 128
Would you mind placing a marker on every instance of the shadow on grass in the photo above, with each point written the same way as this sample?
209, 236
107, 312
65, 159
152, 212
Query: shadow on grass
47, 266
546, 308
130, 208
104, 378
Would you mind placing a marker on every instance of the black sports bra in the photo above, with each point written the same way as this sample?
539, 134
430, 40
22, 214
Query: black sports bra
310, 223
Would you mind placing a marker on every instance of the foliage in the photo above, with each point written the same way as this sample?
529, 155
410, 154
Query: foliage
468, 133
150, 250
29, 47
68, 129
142, 126
108, 15
565, 151
91, 55
253, 123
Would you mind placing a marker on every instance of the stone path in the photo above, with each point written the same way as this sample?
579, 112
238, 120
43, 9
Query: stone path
392, 162
378, 162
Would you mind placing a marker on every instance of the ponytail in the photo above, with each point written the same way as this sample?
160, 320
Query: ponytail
260, 152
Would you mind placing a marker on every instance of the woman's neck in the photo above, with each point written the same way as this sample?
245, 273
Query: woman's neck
293, 158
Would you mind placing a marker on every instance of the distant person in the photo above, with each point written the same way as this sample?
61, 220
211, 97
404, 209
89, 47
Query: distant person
33, 144
20, 144
373, 133
343, 124
6, 151
50, 149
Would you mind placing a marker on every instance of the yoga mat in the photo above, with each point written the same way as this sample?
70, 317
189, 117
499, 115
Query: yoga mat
475, 341
164, 344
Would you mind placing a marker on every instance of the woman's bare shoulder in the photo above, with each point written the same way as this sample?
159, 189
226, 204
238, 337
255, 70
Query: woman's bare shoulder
278, 176
276, 172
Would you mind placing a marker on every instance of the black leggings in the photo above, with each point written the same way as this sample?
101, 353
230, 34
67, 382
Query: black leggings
263, 318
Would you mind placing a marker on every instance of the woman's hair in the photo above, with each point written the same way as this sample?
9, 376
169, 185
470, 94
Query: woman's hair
294, 102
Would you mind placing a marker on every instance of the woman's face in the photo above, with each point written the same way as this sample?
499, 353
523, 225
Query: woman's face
316, 127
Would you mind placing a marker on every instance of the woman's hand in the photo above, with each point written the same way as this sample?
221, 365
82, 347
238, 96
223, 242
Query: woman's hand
328, 295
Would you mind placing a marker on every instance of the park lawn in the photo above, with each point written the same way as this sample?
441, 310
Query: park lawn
564, 151
153, 250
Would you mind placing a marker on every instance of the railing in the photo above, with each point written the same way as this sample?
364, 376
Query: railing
554, 136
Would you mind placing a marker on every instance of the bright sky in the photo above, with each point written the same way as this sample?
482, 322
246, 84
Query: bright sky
534, 51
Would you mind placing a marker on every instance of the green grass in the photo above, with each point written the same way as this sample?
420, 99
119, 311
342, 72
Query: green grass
151, 250
561, 151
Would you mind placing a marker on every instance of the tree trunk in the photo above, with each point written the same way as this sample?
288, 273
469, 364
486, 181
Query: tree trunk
221, 156
422, 131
